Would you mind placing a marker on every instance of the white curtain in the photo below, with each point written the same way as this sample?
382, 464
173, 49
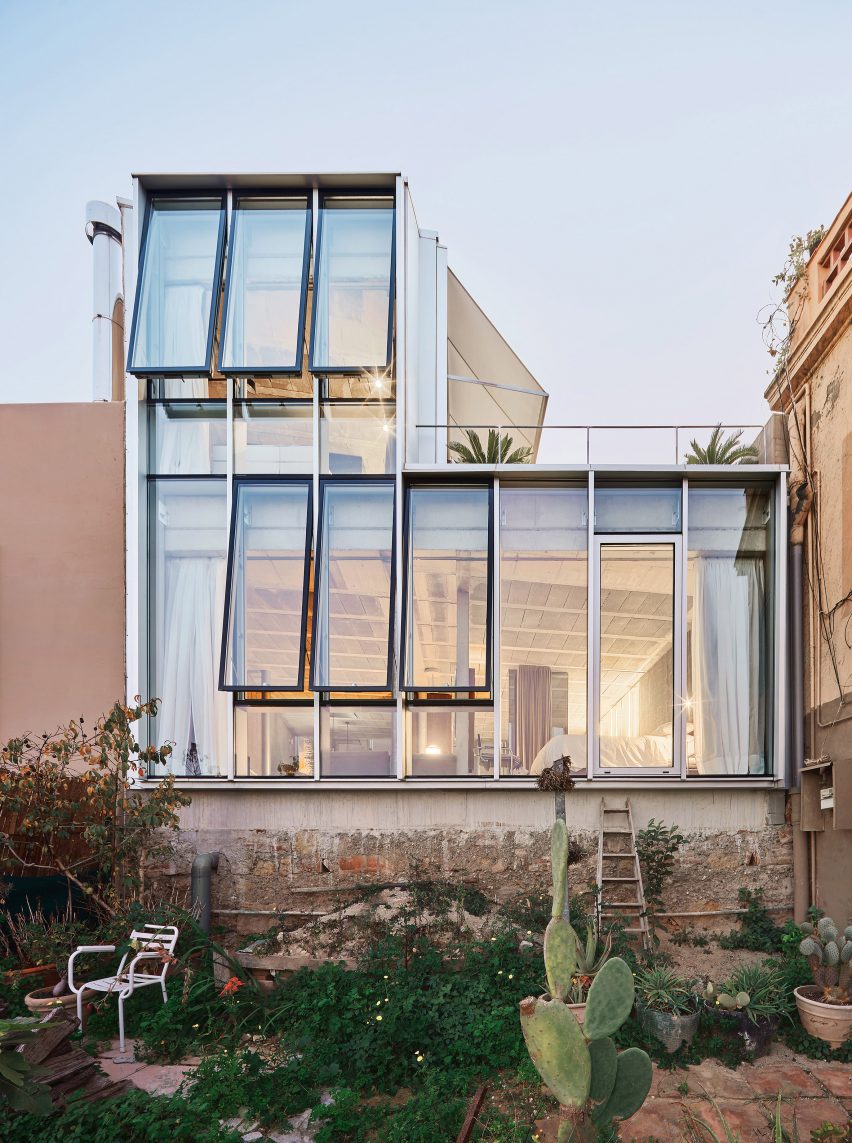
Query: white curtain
727, 669
194, 711
183, 446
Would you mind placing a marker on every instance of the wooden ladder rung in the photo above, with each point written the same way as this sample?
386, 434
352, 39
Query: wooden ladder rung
616, 879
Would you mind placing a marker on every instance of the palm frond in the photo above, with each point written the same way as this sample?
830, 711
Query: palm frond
721, 449
497, 449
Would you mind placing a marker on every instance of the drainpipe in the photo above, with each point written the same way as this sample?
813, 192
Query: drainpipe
202, 866
103, 229
801, 498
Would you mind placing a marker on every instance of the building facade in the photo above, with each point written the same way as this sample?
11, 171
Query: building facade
378, 593
812, 390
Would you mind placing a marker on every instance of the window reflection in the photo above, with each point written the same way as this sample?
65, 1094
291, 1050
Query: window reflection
358, 742
274, 741
357, 439
353, 285
448, 616
178, 286
273, 438
637, 509
266, 286
451, 741
354, 601
543, 605
187, 439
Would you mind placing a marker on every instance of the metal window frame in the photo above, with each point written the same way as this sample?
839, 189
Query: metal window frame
267, 370
389, 704
270, 482
324, 196
351, 482
198, 369
630, 539
487, 686
271, 705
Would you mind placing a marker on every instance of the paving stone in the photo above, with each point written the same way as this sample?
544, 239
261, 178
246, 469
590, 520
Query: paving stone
836, 1077
811, 1113
713, 1079
789, 1079
656, 1119
746, 1119
117, 1071
159, 1080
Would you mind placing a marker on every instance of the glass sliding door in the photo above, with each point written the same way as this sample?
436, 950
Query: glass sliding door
637, 655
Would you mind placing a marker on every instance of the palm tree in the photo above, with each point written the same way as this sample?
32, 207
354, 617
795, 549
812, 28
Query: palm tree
722, 450
497, 450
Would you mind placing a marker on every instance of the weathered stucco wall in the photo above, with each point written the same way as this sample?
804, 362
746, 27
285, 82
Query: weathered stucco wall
61, 563
273, 843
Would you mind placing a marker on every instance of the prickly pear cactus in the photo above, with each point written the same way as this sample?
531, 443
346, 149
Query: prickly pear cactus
592, 1081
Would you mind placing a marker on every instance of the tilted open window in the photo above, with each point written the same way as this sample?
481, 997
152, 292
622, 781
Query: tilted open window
449, 563
178, 289
352, 321
353, 613
269, 555
266, 285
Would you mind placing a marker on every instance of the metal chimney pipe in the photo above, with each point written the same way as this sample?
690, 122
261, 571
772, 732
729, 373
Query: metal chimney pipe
103, 229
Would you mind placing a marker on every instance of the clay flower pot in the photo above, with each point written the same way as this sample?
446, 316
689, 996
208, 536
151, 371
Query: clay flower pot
43, 974
579, 1011
42, 1001
829, 1022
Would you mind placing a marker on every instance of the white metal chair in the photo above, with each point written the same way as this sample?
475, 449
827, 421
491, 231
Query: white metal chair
153, 943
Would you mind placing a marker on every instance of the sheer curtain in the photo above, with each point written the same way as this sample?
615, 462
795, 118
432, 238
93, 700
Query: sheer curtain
727, 670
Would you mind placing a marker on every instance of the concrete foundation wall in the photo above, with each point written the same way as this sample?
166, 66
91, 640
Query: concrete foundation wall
61, 563
275, 843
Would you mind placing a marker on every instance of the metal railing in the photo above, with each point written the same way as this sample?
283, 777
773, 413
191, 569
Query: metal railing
593, 444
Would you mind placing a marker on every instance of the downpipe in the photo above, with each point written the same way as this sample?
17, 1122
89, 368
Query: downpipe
203, 865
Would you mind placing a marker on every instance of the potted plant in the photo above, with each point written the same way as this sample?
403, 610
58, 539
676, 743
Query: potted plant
750, 1004
667, 1006
825, 1007
590, 960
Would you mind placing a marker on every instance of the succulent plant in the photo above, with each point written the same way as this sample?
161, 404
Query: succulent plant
829, 953
580, 1065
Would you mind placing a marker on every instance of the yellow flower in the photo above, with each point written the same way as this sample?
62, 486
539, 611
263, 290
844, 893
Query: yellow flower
511, 976
499, 971
420, 1059
379, 1016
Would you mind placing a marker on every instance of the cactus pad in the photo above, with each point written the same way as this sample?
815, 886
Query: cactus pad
610, 999
632, 1084
825, 925
558, 1049
831, 953
559, 865
810, 947
604, 1067
742, 1000
846, 953
727, 1002
560, 956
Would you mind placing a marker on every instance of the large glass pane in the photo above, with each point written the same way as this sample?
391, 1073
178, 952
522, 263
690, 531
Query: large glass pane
636, 697
448, 615
178, 286
273, 438
353, 598
543, 606
353, 285
188, 532
274, 741
267, 284
637, 509
729, 631
358, 742
187, 439
267, 609
451, 742
357, 439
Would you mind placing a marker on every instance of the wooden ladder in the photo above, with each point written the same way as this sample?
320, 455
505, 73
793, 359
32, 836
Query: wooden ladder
619, 876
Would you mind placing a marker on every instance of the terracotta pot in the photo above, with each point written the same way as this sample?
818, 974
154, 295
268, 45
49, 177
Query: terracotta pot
579, 1011
44, 974
829, 1022
670, 1028
42, 1001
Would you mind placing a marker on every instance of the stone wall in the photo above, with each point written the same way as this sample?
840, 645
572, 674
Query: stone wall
268, 867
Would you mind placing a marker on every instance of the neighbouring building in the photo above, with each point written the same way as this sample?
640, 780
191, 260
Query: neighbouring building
371, 619
812, 390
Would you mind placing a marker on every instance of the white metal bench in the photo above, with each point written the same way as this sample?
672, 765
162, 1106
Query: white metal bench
152, 943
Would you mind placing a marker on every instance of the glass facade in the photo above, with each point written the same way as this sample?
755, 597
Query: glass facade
268, 567
353, 606
352, 326
178, 286
358, 741
448, 566
273, 741
266, 286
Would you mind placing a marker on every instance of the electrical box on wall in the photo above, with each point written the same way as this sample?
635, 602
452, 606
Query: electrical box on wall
826, 798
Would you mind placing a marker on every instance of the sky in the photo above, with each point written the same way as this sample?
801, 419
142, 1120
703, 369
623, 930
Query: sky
616, 182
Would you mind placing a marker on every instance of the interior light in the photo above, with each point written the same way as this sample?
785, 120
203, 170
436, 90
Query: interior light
432, 750
385, 427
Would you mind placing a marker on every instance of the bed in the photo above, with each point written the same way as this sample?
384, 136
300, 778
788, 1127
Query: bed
634, 750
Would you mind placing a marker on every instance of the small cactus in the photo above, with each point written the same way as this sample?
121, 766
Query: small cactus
592, 1081
829, 954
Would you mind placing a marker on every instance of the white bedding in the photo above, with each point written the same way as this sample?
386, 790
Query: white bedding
637, 750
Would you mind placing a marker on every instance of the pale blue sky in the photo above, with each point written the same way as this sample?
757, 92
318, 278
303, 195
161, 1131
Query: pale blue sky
617, 182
